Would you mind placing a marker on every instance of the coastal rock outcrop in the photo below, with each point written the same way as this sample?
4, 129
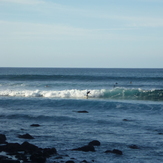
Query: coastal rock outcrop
94, 143
116, 151
26, 152
2, 139
35, 125
26, 136
86, 148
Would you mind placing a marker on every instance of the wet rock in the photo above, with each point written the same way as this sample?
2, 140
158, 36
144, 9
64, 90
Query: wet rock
116, 151
26, 136
47, 152
160, 133
2, 139
133, 146
84, 161
83, 111
11, 148
3, 158
9, 161
38, 158
35, 125
86, 148
29, 148
21, 156
70, 161
94, 143
125, 120
26, 152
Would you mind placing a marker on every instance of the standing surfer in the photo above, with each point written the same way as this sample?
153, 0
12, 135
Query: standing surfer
88, 92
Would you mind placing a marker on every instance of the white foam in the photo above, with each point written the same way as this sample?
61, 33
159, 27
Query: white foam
73, 93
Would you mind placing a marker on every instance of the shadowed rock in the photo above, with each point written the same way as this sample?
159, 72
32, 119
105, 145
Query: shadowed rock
35, 125
2, 139
86, 148
94, 143
11, 147
26, 152
133, 146
83, 111
70, 161
26, 136
116, 151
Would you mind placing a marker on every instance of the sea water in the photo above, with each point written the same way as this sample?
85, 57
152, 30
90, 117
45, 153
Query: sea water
125, 107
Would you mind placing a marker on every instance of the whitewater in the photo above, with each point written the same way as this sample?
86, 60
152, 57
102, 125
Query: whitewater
123, 111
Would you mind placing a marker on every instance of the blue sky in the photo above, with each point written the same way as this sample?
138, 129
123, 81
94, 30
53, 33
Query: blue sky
81, 33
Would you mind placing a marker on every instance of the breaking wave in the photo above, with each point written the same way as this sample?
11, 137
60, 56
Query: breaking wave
116, 93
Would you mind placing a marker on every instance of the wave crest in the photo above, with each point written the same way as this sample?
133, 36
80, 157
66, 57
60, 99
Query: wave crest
116, 93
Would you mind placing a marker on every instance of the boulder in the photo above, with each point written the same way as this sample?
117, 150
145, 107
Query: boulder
35, 125
9, 161
116, 151
29, 148
11, 147
38, 158
84, 161
83, 111
47, 152
94, 143
2, 139
86, 148
133, 146
26, 136
70, 161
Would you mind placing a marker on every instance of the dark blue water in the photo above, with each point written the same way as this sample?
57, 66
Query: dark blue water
125, 107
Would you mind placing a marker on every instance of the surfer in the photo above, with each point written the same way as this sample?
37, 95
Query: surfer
115, 84
88, 92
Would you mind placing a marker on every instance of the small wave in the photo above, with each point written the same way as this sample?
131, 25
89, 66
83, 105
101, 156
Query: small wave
116, 93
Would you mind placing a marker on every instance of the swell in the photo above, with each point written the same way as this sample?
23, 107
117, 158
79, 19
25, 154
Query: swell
115, 93
37, 117
74, 78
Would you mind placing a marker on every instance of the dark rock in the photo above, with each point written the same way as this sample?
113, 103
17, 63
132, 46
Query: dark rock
3, 158
2, 139
94, 143
84, 161
9, 161
70, 161
108, 151
133, 146
85, 148
11, 148
38, 158
84, 111
35, 125
26, 136
125, 120
47, 152
29, 148
25, 152
21, 156
116, 151
160, 133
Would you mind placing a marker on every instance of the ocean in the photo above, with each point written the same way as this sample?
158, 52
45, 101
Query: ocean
124, 111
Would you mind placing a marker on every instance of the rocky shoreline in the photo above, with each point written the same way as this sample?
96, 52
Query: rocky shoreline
29, 153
